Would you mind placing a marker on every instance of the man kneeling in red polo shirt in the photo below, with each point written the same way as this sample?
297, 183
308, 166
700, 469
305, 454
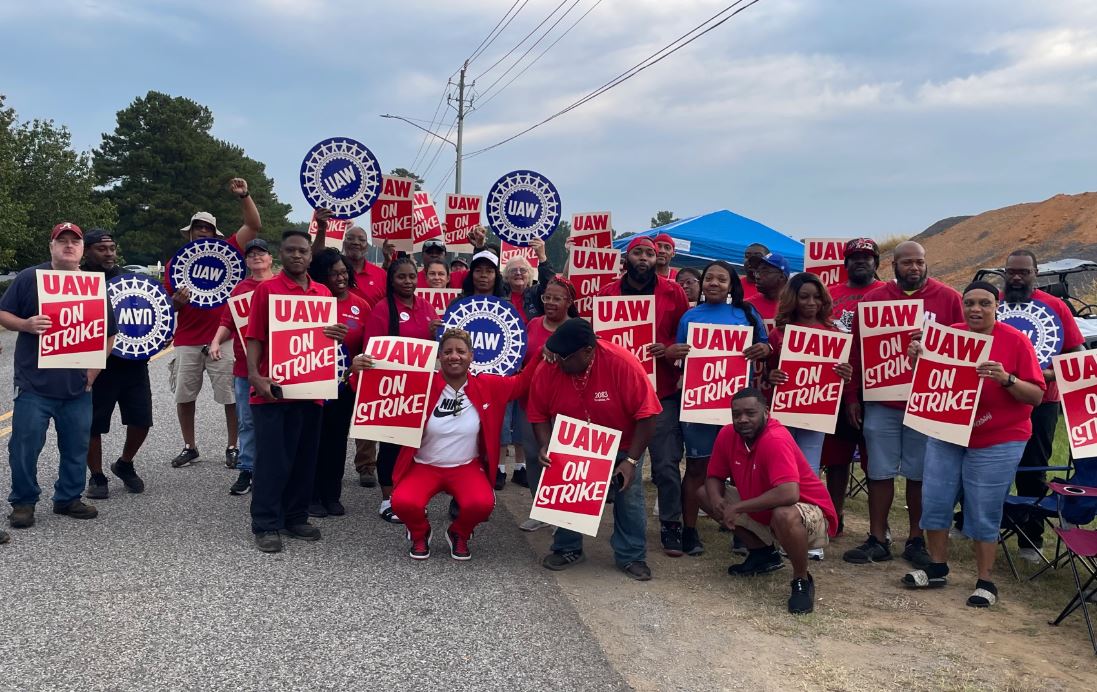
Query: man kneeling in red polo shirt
776, 497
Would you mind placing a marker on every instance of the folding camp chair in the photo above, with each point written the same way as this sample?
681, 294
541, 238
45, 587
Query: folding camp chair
857, 485
1081, 547
1019, 510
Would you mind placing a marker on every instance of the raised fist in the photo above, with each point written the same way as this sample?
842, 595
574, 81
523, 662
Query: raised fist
238, 187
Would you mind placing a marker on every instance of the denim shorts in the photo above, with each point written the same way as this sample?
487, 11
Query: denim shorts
982, 475
810, 443
893, 449
699, 439
512, 434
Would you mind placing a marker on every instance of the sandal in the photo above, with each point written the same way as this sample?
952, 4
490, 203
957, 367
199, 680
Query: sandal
390, 516
981, 598
918, 579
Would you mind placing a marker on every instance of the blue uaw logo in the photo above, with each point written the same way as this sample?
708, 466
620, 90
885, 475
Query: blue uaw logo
342, 175
498, 335
143, 313
1036, 320
523, 205
340, 361
210, 268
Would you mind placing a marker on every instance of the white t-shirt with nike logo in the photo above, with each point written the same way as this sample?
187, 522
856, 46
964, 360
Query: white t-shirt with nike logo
450, 437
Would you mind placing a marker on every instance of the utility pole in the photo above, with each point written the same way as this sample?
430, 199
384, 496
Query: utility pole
461, 112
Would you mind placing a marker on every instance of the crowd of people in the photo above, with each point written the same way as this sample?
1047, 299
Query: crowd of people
780, 491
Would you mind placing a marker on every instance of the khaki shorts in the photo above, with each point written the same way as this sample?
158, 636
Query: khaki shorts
812, 515
365, 455
185, 374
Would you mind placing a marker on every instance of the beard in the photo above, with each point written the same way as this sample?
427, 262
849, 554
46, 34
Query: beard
640, 276
907, 285
1016, 294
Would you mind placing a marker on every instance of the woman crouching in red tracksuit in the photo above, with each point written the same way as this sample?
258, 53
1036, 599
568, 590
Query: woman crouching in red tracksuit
459, 453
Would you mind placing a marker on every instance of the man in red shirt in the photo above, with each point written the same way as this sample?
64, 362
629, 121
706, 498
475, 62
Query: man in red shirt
894, 449
771, 273
590, 379
194, 329
752, 255
666, 449
287, 433
1050, 326
775, 496
664, 253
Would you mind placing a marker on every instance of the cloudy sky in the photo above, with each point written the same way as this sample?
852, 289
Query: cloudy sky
816, 117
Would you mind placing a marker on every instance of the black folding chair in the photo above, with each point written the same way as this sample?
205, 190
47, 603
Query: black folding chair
1081, 548
1019, 510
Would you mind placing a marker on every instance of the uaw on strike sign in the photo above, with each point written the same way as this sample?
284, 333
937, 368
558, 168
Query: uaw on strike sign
945, 391
390, 402
334, 234
392, 214
572, 491
715, 369
439, 298
301, 359
1076, 374
426, 224
76, 303
886, 327
825, 257
462, 215
240, 308
813, 394
592, 229
629, 322
590, 269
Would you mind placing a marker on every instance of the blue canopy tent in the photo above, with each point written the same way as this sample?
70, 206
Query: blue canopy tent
722, 235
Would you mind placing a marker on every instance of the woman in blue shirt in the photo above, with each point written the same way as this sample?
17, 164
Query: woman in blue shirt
722, 304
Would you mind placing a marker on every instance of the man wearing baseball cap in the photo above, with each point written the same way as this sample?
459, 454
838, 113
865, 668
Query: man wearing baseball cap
752, 257
664, 253
666, 447
123, 383
194, 329
42, 394
771, 273
435, 249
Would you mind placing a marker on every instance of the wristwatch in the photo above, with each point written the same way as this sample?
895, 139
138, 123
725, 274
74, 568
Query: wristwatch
245, 195
1011, 381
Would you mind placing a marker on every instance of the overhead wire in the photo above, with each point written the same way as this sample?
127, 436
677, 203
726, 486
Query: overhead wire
484, 46
524, 39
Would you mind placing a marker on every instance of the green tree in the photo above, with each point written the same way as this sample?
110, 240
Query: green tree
161, 164
405, 173
662, 218
555, 248
42, 181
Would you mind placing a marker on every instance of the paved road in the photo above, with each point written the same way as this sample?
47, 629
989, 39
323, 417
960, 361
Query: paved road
165, 590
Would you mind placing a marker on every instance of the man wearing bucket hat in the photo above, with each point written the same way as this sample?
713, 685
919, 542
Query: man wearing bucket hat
195, 329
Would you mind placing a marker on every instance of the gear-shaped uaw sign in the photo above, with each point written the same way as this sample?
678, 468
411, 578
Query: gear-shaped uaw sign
342, 175
210, 268
523, 205
498, 335
143, 313
1036, 320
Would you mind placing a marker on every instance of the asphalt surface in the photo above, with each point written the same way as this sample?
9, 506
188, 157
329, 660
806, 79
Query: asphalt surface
166, 590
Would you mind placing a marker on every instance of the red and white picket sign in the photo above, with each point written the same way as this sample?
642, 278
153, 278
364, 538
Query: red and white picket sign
946, 386
572, 491
825, 257
592, 229
462, 214
812, 396
76, 303
629, 322
392, 214
426, 224
439, 298
1076, 374
714, 370
590, 269
390, 401
300, 358
333, 236
886, 327
507, 252
240, 308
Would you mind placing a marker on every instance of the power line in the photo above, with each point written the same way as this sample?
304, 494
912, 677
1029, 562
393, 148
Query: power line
442, 185
651, 60
438, 152
433, 120
487, 99
484, 46
524, 39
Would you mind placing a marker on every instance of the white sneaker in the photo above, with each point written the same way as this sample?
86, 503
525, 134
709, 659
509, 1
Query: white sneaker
815, 554
532, 525
1032, 555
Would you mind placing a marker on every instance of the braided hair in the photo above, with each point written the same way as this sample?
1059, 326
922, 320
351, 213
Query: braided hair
390, 293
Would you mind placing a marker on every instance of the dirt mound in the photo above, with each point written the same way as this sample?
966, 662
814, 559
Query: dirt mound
1060, 227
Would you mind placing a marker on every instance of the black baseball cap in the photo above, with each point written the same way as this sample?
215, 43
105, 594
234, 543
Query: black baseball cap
257, 243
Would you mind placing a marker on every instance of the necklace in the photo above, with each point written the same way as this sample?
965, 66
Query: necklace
580, 383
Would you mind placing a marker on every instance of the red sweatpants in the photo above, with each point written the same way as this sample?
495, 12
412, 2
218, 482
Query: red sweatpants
468, 484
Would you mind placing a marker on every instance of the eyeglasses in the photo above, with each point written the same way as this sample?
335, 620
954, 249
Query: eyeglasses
519, 271
688, 281
546, 298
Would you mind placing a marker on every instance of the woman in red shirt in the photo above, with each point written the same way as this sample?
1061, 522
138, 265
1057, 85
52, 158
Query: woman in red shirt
981, 472
459, 453
401, 313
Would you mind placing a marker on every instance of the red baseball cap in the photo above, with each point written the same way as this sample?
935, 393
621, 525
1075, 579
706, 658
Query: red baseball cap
862, 245
66, 226
665, 238
640, 240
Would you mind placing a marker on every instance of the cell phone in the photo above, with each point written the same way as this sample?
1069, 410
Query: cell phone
276, 391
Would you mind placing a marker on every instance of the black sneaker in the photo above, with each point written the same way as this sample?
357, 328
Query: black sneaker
558, 562
318, 510
232, 457
76, 509
802, 599
519, 477
500, 480
21, 517
303, 531
269, 541
420, 548
759, 561
4, 537
126, 473
184, 458
458, 547
671, 536
915, 552
871, 550
691, 541
97, 487
335, 508
242, 484
638, 570
367, 478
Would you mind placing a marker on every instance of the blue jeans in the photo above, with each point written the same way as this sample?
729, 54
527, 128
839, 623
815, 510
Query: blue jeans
810, 443
245, 425
532, 450
512, 433
982, 475
893, 449
29, 422
629, 540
